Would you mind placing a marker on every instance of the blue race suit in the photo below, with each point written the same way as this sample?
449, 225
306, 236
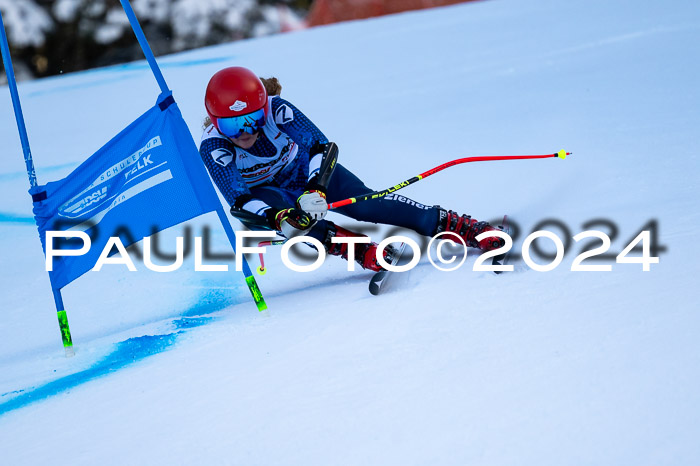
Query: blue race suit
274, 172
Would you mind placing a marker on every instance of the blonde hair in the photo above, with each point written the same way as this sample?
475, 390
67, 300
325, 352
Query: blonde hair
272, 86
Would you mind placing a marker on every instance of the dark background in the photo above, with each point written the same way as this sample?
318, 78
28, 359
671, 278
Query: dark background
50, 37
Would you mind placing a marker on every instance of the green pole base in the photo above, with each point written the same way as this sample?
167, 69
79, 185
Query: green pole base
257, 294
65, 333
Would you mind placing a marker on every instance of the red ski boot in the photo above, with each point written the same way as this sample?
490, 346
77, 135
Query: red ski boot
468, 229
365, 253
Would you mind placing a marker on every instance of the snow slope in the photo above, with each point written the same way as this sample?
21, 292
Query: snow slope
463, 367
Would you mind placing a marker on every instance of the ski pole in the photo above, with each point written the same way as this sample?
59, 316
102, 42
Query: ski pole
262, 270
378, 194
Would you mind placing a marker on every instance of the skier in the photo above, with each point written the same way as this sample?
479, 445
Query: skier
267, 159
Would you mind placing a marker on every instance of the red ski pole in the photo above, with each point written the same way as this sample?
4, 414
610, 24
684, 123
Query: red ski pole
377, 194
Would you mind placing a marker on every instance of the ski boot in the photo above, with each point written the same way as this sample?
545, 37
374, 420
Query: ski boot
468, 229
365, 253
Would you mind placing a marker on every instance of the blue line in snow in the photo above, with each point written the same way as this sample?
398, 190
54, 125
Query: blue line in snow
127, 352
12, 218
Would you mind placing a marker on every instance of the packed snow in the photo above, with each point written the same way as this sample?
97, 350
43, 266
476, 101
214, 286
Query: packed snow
460, 367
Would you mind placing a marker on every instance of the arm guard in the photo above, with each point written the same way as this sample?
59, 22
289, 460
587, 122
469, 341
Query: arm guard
329, 156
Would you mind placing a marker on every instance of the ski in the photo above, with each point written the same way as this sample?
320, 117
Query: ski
379, 280
502, 259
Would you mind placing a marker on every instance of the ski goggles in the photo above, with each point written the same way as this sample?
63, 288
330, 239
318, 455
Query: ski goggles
235, 127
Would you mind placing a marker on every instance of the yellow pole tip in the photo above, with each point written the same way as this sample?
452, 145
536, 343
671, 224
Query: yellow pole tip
562, 154
262, 271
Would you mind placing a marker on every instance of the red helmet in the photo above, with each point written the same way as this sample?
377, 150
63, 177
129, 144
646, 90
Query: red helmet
234, 91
